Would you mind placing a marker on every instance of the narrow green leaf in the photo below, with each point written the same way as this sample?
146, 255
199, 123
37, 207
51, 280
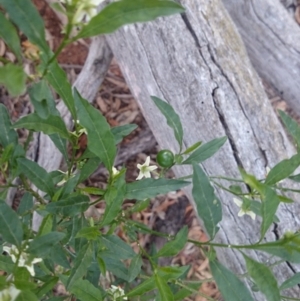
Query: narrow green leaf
269, 207
13, 78
61, 144
293, 281
120, 13
90, 233
37, 175
205, 151
88, 168
172, 272
164, 290
6, 264
185, 292
172, 117
292, 126
144, 287
7, 134
208, 205
115, 266
263, 278
122, 131
10, 36
230, 286
148, 188
10, 225
42, 99
114, 197
70, 206
26, 295
135, 267
41, 245
117, 247
46, 287
25, 204
86, 291
59, 257
100, 139
81, 263
283, 169
57, 78
24, 14
192, 148
51, 125
295, 178
46, 226
173, 247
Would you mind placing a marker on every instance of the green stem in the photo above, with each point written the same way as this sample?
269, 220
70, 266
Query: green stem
29, 189
28, 139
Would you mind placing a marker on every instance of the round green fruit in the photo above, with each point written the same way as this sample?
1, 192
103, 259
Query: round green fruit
165, 158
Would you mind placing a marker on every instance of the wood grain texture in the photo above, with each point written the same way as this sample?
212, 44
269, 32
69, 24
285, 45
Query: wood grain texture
197, 63
272, 39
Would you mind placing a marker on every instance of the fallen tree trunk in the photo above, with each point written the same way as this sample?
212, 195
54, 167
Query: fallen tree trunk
198, 64
272, 39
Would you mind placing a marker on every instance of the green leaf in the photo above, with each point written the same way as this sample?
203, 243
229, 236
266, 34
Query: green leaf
70, 206
230, 286
283, 169
24, 14
263, 278
173, 247
10, 225
25, 204
100, 139
116, 246
88, 168
37, 175
7, 134
208, 205
148, 188
144, 287
86, 291
51, 125
81, 263
270, 203
26, 295
295, 178
293, 281
192, 148
6, 264
61, 144
135, 267
46, 287
122, 131
205, 151
292, 126
10, 36
13, 78
164, 290
120, 13
90, 233
41, 245
114, 197
172, 117
46, 226
115, 266
185, 292
57, 78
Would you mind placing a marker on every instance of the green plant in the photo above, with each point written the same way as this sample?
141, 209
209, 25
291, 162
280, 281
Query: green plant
76, 251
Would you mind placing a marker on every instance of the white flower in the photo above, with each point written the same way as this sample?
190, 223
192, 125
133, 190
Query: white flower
85, 9
115, 172
116, 292
9, 294
24, 258
244, 209
145, 169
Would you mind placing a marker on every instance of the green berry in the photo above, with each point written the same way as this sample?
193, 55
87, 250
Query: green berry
165, 158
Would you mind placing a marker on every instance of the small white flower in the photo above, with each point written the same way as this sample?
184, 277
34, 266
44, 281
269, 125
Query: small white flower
24, 258
115, 172
9, 294
145, 169
116, 292
244, 210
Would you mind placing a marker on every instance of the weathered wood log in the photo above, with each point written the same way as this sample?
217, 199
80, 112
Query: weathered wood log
272, 39
197, 62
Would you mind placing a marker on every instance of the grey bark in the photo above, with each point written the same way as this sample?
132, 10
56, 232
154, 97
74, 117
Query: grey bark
272, 39
197, 63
